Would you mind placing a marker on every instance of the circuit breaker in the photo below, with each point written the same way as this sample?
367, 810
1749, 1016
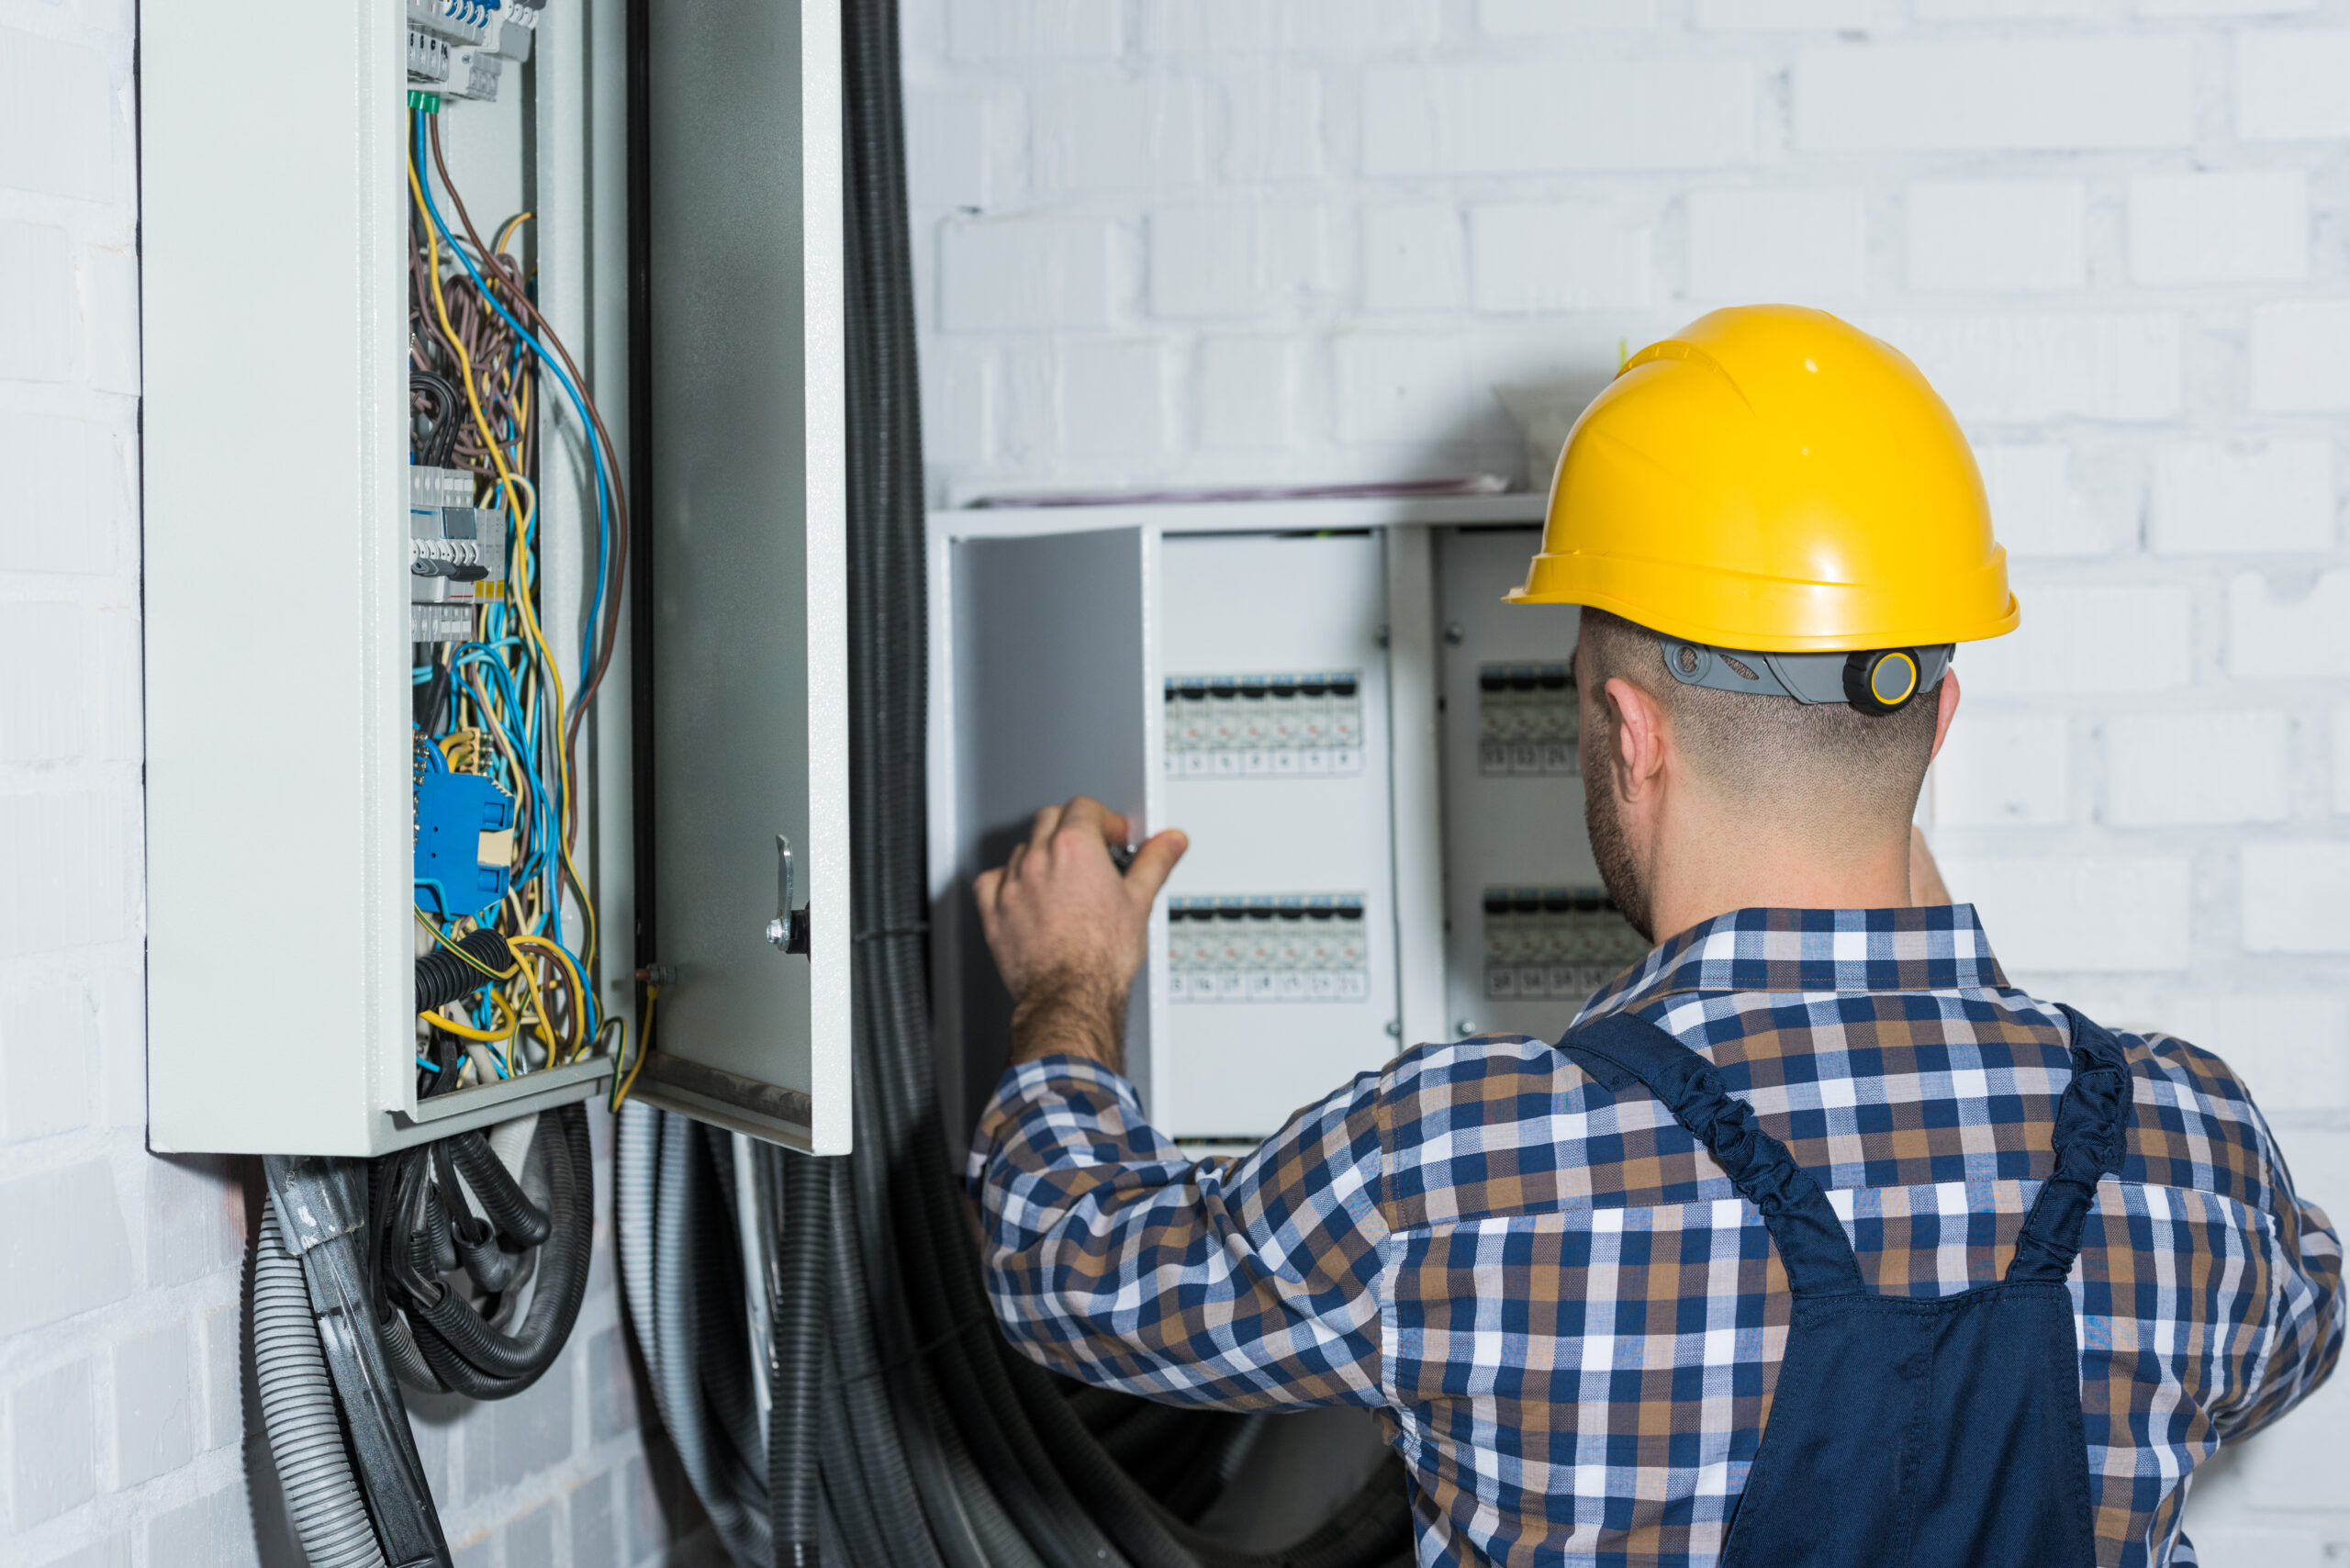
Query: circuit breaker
1375, 759
406, 693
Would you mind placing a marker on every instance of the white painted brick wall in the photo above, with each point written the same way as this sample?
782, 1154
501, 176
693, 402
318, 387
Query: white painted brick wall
2111, 230
1777, 244
2186, 228
122, 1435
2214, 498
1997, 235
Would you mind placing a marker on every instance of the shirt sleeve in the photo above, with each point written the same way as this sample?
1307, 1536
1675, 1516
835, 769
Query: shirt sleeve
1113, 1257
2306, 1291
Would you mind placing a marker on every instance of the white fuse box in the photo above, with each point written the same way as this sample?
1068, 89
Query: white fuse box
442, 597
1374, 758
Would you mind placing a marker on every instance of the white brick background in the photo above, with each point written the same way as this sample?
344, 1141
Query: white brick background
1218, 241
123, 1438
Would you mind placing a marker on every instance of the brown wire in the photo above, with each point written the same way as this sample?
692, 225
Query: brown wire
617, 568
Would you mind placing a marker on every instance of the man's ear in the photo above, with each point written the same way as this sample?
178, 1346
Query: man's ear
1948, 700
1640, 738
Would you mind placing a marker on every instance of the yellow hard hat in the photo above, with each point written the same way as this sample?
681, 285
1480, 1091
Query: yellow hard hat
1774, 480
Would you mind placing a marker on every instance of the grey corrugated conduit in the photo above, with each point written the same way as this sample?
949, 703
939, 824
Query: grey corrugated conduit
297, 1409
691, 1235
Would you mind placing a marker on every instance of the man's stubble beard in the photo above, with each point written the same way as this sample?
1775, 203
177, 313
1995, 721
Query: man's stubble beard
1618, 871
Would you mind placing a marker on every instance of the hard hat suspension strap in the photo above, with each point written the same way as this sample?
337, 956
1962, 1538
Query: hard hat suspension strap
1874, 680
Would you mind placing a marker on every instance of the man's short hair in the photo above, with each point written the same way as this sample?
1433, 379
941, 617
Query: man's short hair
1797, 759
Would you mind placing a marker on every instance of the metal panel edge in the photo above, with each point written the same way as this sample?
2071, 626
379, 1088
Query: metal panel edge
1415, 743
824, 303
327, 827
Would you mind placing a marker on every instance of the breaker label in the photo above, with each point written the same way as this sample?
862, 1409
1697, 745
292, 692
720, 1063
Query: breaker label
1301, 948
1264, 726
1554, 944
1526, 721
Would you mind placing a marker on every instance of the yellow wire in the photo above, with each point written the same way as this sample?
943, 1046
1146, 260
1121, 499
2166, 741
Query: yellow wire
644, 1045
467, 1032
510, 480
519, 219
578, 988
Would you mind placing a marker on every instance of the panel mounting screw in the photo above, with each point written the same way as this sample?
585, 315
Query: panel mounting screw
1464, 1027
1394, 1029
1453, 635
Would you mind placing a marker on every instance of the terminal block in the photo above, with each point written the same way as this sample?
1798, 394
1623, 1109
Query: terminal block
1264, 726
1555, 944
456, 555
1526, 721
465, 838
1302, 948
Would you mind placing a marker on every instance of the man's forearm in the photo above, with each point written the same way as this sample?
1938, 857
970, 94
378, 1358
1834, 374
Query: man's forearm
1079, 1017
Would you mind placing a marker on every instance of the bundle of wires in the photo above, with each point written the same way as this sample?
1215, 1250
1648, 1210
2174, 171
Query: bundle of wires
497, 702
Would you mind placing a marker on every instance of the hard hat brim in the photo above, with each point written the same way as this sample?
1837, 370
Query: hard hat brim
1737, 609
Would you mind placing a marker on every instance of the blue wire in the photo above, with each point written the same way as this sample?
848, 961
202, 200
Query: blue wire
546, 361
542, 808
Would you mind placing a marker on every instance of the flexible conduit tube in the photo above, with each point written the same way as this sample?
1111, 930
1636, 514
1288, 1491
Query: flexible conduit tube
691, 1235
297, 1409
801, 1317
639, 1137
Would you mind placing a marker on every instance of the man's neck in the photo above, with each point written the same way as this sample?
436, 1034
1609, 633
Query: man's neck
1711, 867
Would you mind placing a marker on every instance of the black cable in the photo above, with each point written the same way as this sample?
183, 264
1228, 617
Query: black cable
431, 447
801, 1316
442, 977
432, 1334
501, 1197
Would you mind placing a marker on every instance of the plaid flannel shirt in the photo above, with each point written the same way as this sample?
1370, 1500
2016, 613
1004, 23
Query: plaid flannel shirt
1568, 1322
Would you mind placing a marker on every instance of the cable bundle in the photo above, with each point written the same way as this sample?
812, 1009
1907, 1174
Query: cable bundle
457, 1239
497, 702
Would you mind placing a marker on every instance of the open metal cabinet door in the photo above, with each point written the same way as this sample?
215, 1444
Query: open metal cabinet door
746, 737
1051, 691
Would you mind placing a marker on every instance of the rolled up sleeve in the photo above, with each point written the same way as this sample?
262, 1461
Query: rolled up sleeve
1113, 1257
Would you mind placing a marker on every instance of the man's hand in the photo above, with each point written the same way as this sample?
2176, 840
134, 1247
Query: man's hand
1067, 931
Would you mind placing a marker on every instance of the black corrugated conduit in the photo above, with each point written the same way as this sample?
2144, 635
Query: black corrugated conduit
936, 1444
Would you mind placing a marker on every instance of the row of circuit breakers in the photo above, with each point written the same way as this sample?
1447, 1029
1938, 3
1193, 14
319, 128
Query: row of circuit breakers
1263, 726
1554, 944
459, 49
1304, 948
1541, 944
1253, 727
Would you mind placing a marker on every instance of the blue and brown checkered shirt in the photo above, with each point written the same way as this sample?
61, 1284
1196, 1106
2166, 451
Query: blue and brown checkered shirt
1570, 1325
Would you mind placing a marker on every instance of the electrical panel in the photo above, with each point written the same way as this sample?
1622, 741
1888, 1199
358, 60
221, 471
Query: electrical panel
1288, 810
469, 500
1375, 760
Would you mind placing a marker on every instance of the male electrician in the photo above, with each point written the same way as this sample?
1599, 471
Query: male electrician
1813, 1240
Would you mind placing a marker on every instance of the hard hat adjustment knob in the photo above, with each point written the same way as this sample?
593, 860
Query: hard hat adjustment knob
1881, 681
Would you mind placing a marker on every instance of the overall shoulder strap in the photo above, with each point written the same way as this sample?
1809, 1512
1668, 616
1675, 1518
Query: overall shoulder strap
1620, 1050
2092, 1128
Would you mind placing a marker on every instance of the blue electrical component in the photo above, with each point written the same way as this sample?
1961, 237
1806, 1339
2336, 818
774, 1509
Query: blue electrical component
464, 838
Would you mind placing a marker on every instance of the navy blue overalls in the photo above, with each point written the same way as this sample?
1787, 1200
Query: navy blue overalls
1905, 1432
